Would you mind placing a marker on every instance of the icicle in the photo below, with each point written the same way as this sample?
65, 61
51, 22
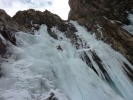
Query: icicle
111, 61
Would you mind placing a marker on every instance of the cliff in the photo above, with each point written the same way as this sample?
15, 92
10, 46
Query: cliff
105, 18
64, 60
28, 21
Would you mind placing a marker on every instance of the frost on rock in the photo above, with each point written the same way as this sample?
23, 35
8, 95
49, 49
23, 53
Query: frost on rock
129, 28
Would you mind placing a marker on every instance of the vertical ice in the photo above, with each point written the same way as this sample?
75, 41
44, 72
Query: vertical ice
38, 67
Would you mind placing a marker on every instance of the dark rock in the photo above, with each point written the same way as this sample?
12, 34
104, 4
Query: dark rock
129, 71
8, 35
3, 20
29, 17
3, 16
92, 9
7, 28
2, 48
59, 48
52, 97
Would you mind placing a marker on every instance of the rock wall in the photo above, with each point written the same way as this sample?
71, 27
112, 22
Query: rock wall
93, 9
7, 27
28, 21
105, 18
29, 17
102, 17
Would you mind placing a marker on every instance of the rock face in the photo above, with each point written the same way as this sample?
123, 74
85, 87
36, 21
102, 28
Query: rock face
7, 27
93, 9
28, 18
105, 18
28, 21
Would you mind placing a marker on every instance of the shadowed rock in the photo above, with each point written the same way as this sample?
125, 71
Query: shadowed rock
93, 9
2, 48
7, 26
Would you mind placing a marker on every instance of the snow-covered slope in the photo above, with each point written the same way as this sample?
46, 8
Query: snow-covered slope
43, 68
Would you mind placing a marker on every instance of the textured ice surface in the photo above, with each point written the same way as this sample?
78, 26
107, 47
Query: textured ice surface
37, 68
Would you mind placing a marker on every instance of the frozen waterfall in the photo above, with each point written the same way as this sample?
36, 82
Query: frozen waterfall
41, 67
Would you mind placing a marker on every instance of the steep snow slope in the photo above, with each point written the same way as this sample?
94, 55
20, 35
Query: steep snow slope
41, 68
